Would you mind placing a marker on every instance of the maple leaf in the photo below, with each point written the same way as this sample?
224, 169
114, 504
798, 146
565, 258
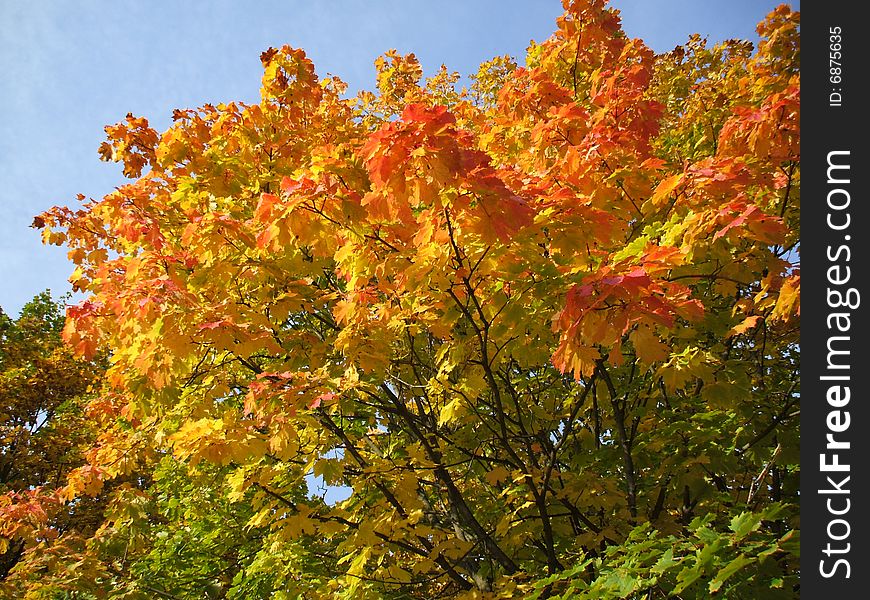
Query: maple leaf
648, 347
665, 188
745, 325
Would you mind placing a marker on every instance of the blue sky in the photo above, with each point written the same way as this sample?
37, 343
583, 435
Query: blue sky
72, 67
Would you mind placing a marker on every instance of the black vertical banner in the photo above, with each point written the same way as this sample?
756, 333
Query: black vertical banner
835, 267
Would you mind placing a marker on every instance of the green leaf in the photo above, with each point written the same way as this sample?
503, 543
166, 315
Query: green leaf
665, 562
728, 570
744, 524
687, 577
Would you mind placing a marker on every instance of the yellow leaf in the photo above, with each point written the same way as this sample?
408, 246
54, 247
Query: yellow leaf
449, 411
346, 251
647, 345
237, 484
423, 566
788, 305
399, 574
496, 475
344, 311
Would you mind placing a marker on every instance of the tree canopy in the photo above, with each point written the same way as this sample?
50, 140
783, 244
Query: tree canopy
44, 433
535, 337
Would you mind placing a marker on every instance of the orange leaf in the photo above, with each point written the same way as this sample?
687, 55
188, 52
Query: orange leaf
665, 188
744, 326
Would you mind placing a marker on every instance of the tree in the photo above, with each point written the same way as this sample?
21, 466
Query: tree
543, 330
43, 432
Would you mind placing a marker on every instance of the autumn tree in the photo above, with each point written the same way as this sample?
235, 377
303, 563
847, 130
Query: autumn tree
542, 332
43, 432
